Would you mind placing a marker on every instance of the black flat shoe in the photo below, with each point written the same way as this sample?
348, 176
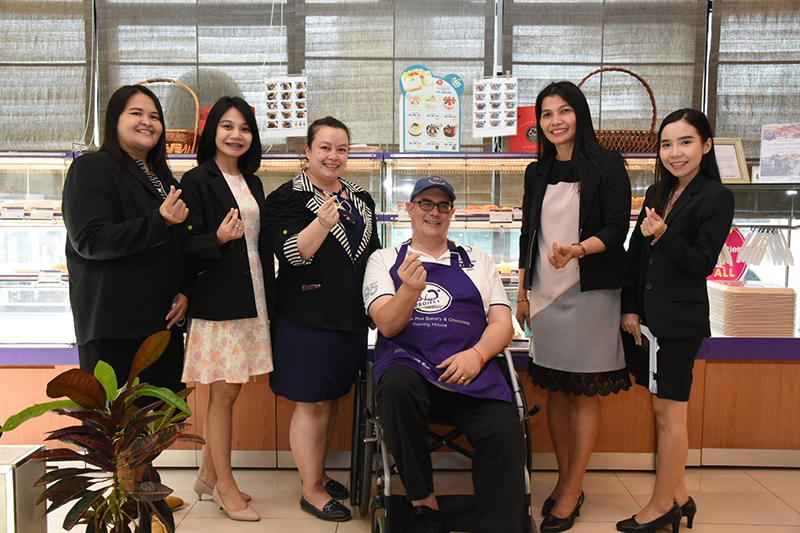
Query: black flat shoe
673, 516
336, 490
553, 524
332, 512
688, 510
548, 505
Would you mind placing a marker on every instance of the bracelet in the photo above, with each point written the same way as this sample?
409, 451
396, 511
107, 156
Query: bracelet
483, 363
323, 225
583, 250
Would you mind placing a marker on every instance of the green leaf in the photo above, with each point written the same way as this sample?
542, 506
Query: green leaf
33, 411
148, 353
108, 379
64, 490
80, 387
148, 448
150, 491
81, 507
166, 395
161, 510
60, 473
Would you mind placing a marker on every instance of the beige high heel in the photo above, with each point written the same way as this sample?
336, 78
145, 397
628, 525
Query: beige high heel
200, 487
248, 514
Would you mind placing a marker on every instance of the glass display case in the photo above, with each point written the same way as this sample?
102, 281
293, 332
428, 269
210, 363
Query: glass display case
34, 295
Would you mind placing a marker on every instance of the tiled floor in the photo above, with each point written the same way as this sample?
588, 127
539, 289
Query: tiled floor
730, 500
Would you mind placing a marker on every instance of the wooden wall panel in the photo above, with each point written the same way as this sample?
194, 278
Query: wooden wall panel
22, 387
752, 405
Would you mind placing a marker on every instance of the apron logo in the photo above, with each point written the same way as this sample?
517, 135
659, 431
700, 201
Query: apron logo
434, 299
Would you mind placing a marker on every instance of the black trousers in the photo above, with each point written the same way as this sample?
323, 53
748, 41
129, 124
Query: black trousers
407, 402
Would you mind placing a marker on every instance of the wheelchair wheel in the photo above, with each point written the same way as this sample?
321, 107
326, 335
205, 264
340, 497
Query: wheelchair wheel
367, 466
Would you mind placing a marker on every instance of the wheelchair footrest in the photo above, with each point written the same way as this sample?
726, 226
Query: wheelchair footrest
458, 511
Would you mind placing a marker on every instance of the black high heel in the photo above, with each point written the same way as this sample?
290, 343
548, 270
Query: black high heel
554, 524
673, 516
688, 510
548, 505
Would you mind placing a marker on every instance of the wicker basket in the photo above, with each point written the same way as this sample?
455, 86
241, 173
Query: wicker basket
629, 140
180, 141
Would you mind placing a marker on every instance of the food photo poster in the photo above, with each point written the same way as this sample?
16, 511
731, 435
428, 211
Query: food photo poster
430, 111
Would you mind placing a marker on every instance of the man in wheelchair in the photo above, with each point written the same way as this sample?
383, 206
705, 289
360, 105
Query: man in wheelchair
442, 316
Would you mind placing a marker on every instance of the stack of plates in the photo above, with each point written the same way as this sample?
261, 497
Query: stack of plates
751, 309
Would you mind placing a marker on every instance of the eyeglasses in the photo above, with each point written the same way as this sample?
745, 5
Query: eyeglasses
427, 205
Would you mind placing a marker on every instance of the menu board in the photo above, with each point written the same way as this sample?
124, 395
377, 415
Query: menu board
430, 111
287, 107
494, 112
780, 153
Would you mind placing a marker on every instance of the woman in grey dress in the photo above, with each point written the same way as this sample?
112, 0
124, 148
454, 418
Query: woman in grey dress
576, 214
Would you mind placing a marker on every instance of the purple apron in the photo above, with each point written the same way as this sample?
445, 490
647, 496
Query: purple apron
448, 318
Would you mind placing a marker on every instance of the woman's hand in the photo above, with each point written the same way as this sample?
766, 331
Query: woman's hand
523, 313
653, 224
631, 323
328, 213
180, 304
172, 209
461, 368
412, 273
559, 256
230, 228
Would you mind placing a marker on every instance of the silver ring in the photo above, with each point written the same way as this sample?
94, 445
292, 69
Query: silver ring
237, 227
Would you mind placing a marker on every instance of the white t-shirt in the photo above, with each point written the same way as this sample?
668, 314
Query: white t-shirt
483, 273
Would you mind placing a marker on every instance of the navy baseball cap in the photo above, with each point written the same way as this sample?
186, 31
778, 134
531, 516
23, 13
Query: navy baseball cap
434, 181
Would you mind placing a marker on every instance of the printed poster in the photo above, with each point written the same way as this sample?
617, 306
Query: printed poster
780, 153
430, 111
526, 139
494, 112
287, 107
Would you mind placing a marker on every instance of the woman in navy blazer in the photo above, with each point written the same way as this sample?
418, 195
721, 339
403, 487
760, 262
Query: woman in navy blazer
231, 249
123, 213
681, 229
324, 230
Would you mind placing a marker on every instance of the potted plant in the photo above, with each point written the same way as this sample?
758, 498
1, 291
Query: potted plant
117, 436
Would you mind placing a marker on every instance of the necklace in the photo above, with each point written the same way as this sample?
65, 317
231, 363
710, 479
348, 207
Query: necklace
674, 198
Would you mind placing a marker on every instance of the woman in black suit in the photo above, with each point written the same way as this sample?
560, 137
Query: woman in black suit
229, 338
324, 229
122, 210
579, 193
681, 229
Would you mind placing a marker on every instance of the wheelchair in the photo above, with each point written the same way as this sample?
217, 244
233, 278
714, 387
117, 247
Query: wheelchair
370, 456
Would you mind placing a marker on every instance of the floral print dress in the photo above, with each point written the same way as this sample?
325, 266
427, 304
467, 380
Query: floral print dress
234, 350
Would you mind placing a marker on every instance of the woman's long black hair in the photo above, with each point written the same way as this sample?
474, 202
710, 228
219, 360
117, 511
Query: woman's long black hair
665, 182
248, 162
586, 144
157, 156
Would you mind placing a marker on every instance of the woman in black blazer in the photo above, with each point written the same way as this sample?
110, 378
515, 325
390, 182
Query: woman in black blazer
324, 229
229, 337
122, 210
576, 214
681, 229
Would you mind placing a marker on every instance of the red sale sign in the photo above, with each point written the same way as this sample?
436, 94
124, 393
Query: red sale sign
733, 272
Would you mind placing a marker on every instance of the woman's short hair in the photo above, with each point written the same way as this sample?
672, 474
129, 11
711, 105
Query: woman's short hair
157, 156
207, 147
326, 121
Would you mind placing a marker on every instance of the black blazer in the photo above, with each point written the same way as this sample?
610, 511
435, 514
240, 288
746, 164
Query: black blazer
325, 292
605, 212
223, 287
125, 264
670, 291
